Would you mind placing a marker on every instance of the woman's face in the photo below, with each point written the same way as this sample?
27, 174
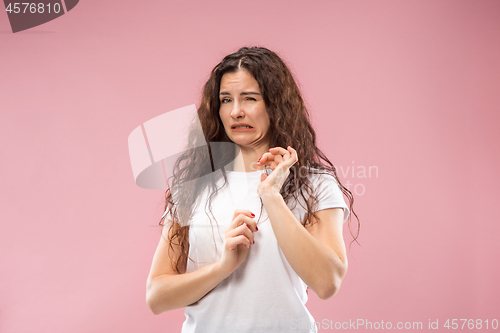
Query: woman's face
242, 110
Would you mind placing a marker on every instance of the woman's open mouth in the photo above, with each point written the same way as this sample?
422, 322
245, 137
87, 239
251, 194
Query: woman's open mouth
242, 128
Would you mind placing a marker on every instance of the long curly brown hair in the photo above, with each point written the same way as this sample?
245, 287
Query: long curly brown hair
289, 126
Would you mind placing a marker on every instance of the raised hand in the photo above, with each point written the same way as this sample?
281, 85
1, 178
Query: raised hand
280, 160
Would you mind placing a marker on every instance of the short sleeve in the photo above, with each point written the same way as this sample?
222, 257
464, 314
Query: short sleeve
167, 215
329, 194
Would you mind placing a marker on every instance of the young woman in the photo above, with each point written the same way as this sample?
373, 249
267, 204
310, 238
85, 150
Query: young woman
256, 219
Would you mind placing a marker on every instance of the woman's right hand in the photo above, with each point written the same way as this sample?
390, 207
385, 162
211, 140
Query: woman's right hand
238, 238
167, 289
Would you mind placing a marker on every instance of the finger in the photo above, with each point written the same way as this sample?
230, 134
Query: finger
233, 242
291, 150
241, 230
284, 161
241, 219
273, 164
278, 159
271, 160
290, 158
293, 154
244, 212
248, 222
263, 177
264, 158
281, 153
278, 150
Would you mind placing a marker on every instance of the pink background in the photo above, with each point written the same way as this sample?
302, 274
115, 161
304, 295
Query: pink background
411, 88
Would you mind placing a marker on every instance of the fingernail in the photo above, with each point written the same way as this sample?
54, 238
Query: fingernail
256, 228
253, 242
253, 215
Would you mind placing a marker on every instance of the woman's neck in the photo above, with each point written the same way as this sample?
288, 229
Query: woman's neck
247, 157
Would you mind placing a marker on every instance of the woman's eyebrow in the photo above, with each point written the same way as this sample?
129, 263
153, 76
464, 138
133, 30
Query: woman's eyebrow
249, 93
244, 93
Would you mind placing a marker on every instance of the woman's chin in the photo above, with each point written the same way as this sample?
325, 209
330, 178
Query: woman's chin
242, 143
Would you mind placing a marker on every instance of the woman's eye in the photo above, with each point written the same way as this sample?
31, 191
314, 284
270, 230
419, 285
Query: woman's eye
225, 100
251, 99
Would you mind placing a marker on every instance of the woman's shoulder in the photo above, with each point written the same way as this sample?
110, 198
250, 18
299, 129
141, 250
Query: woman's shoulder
316, 174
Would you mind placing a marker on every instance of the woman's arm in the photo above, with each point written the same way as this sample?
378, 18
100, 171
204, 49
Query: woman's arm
167, 290
317, 254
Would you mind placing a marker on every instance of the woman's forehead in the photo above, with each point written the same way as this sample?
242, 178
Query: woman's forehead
241, 79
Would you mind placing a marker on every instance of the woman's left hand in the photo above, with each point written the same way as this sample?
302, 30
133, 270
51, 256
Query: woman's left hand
280, 160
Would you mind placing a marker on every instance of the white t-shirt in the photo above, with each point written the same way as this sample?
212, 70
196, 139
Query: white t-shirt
264, 294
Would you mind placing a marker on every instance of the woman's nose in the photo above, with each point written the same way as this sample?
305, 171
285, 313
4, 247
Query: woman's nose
237, 111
